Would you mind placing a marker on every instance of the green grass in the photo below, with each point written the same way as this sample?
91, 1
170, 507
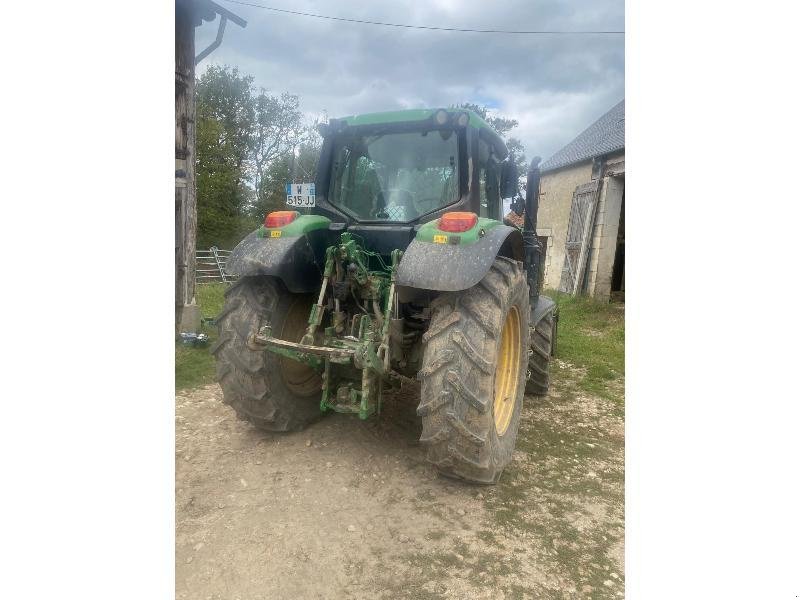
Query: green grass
547, 490
591, 336
194, 366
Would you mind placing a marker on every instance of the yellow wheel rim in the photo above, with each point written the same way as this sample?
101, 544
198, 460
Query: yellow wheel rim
506, 375
301, 379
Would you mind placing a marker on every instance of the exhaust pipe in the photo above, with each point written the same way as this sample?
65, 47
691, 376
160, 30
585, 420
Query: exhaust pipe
530, 242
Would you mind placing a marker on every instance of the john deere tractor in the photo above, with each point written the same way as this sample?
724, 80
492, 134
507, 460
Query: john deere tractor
395, 265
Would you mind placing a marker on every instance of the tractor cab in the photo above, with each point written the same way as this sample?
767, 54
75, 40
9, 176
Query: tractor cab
406, 168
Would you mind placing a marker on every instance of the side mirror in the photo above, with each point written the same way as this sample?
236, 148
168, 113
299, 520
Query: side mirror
509, 179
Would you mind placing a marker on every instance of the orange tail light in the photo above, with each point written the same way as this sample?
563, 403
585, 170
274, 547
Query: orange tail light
279, 218
457, 222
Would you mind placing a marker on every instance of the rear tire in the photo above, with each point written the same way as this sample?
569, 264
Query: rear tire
271, 392
542, 348
468, 419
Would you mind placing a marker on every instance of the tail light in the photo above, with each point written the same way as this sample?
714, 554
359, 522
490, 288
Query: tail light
457, 222
279, 218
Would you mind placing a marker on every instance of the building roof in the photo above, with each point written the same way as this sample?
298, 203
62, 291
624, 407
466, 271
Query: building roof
605, 135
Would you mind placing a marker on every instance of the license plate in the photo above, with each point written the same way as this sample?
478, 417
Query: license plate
301, 195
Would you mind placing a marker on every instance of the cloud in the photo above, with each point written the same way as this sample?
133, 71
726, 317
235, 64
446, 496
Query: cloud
555, 86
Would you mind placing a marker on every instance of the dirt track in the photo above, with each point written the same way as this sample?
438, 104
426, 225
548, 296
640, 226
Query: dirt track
350, 509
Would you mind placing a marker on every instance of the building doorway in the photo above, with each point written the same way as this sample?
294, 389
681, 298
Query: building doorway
618, 272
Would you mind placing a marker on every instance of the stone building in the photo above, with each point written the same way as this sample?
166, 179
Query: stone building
581, 219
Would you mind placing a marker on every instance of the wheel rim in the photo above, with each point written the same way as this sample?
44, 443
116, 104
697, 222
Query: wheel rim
506, 375
300, 378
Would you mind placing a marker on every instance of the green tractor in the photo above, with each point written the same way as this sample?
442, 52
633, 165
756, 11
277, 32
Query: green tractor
399, 268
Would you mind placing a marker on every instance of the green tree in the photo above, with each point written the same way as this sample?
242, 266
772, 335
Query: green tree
298, 165
225, 114
278, 130
249, 143
517, 150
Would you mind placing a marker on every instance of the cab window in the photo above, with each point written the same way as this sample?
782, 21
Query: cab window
395, 176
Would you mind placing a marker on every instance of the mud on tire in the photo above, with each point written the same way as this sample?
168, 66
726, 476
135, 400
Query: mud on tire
261, 387
462, 346
541, 350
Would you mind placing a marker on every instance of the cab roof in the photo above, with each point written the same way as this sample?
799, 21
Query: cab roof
415, 114
478, 124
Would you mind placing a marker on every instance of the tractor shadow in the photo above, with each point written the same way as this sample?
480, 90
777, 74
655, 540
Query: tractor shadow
348, 442
393, 434
380, 457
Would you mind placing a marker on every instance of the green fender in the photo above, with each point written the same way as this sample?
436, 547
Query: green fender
293, 253
449, 267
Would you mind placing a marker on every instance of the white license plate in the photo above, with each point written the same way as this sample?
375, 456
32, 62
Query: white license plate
301, 195
301, 201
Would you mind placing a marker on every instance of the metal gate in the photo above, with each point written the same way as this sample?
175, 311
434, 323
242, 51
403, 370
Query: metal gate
579, 235
211, 266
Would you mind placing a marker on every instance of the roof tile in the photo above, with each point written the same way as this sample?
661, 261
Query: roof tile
605, 135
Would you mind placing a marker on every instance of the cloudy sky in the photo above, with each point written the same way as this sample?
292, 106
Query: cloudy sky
554, 85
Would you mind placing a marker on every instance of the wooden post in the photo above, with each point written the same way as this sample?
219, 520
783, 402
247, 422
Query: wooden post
187, 315
188, 15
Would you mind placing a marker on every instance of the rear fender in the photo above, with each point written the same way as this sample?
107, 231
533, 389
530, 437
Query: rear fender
445, 267
295, 260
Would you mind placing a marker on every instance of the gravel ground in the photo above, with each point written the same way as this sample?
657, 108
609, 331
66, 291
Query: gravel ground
350, 509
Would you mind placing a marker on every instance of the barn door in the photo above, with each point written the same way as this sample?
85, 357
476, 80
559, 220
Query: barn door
579, 235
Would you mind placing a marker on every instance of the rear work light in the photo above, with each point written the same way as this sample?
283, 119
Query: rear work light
279, 218
457, 222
